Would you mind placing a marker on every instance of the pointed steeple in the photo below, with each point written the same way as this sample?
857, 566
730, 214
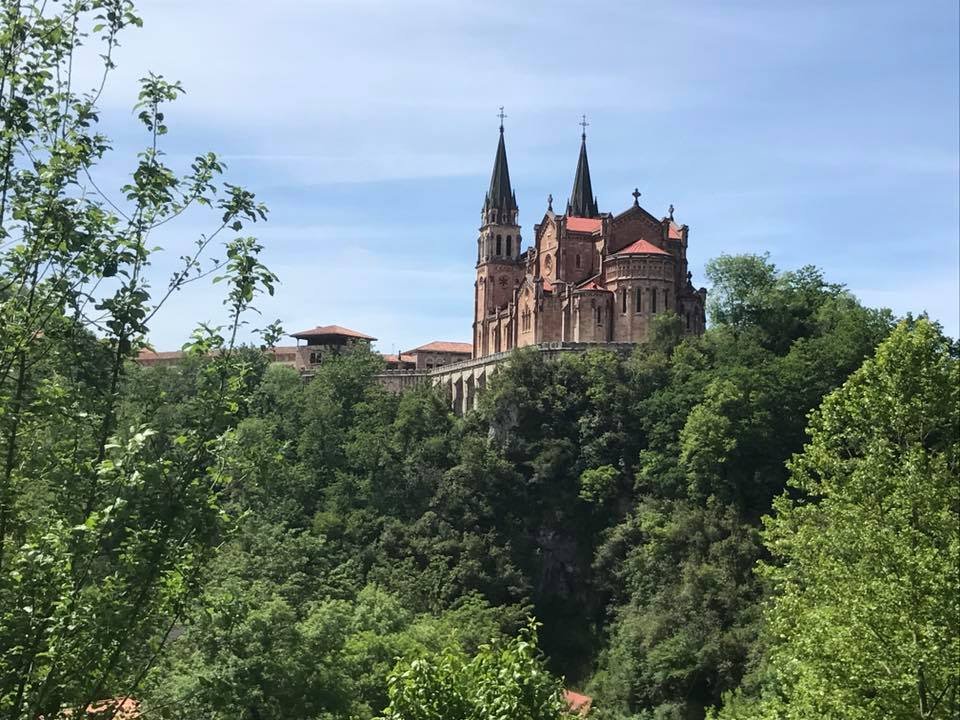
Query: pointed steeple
500, 196
582, 202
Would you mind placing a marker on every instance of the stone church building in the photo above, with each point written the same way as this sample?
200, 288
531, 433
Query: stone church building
589, 277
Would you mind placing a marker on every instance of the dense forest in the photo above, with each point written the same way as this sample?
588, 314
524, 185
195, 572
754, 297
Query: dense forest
761, 522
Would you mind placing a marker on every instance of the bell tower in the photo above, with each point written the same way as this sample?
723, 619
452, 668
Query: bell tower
499, 268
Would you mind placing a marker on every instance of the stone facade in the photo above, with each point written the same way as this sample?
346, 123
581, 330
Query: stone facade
589, 277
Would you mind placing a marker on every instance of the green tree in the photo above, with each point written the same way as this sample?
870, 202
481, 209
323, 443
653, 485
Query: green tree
105, 527
714, 420
864, 618
503, 681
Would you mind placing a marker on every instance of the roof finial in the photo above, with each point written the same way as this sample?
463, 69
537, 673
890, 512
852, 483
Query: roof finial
501, 116
636, 197
670, 210
550, 201
583, 124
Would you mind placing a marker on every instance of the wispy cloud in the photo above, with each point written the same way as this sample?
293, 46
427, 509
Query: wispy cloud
368, 126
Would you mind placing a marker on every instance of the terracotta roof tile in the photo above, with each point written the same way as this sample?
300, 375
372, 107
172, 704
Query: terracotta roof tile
440, 346
587, 225
577, 703
118, 709
674, 231
400, 358
331, 330
642, 247
148, 354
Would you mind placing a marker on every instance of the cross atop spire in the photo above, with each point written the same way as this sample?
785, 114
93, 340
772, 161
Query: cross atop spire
583, 125
500, 197
582, 202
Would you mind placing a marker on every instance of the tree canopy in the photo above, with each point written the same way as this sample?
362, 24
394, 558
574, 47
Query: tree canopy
864, 612
758, 522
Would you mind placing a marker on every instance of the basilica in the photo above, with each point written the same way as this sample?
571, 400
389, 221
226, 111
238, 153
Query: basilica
589, 277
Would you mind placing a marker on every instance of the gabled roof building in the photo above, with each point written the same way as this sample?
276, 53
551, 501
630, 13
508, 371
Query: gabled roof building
588, 277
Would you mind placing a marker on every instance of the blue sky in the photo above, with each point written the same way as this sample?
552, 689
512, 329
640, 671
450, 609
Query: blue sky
820, 132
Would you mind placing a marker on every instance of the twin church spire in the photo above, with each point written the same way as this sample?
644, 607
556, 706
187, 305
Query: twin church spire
500, 204
582, 201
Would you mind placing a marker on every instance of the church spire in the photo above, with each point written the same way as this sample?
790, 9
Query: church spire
582, 203
500, 196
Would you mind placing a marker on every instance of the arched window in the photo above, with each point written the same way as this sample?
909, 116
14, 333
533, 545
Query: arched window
578, 261
653, 301
666, 299
499, 245
510, 245
623, 299
639, 300
599, 315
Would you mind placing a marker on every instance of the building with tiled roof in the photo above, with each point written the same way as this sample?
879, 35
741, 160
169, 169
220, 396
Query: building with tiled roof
588, 277
401, 361
316, 344
331, 334
439, 353
151, 358
148, 357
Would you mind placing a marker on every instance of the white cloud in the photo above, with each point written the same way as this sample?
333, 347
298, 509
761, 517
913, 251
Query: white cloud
936, 296
737, 114
401, 302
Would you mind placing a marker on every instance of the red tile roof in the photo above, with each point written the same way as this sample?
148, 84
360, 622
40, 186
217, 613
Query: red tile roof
400, 358
586, 225
118, 709
331, 330
642, 247
439, 346
148, 354
591, 285
577, 703
674, 231
547, 285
